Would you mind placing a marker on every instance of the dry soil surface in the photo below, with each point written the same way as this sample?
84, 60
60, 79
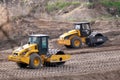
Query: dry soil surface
99, 63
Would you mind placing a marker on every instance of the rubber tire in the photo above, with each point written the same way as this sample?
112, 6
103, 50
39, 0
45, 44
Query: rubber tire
72, 42
89, 44
31, 64
22, 65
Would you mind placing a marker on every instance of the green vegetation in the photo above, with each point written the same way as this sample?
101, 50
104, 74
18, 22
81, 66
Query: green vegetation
59, 5
107, 3
110, 3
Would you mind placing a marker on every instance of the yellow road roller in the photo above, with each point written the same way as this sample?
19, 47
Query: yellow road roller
36, 54
81, 33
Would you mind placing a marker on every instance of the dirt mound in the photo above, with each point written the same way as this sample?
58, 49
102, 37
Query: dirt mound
82, 13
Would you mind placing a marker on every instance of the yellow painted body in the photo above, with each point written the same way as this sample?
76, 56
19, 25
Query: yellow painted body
22, 55
58, 58
22, 59
67, 41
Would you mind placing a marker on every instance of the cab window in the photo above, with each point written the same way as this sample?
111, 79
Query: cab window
44, 42
33, 40
86, 26
77, 26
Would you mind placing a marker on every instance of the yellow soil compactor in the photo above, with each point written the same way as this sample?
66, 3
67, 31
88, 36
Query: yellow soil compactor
36, 54
81, 33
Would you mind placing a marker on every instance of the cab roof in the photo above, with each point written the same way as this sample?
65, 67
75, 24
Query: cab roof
39, 35
81, 23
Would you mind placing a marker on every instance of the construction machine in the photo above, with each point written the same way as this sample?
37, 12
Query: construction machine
36, 54
81, 33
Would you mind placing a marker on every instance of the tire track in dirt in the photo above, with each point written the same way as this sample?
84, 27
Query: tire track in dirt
80, 64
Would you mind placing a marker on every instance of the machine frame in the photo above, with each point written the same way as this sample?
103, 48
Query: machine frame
35, 54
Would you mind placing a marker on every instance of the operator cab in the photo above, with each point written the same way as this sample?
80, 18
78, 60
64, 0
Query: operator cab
84, 28
42, 42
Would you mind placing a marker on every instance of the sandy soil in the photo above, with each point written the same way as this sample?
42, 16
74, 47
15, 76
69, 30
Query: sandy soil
80, 66
87, 63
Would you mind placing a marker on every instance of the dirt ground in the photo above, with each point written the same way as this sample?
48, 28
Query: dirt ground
100, 63
87, 63
89, 66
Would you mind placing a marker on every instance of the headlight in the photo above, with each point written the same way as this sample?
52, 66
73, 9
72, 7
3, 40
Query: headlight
15, 54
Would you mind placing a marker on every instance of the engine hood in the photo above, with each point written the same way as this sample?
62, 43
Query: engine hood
68, 33
22, 48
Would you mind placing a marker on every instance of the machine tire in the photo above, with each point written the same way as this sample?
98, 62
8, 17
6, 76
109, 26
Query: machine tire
22, 65
89, 42
76, 44
35, 61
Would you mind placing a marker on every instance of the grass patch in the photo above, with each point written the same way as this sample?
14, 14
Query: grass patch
59, 5
109, 3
